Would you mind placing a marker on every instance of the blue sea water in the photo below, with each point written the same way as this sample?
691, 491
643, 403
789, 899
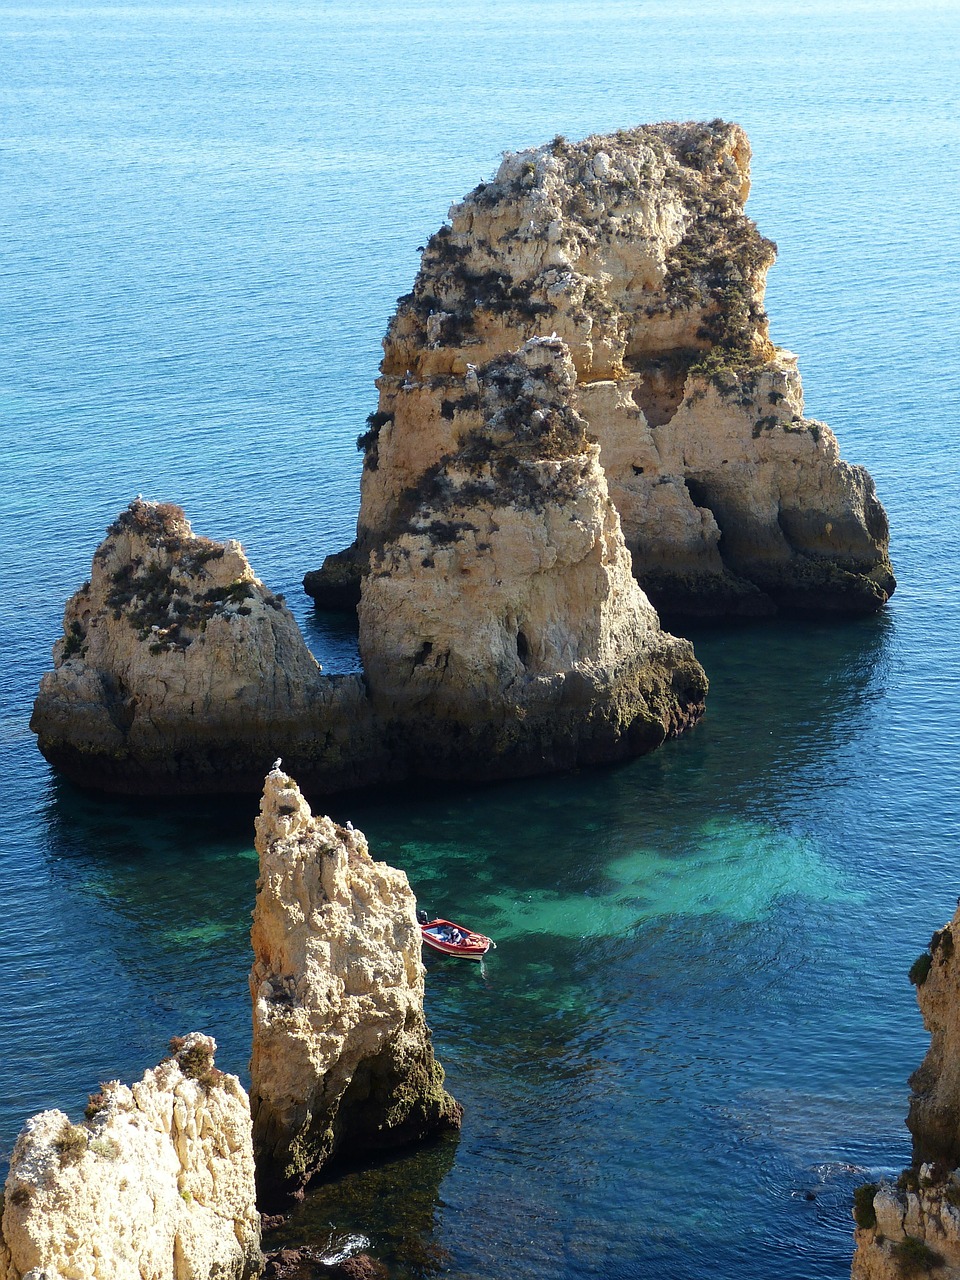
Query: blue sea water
694, 1037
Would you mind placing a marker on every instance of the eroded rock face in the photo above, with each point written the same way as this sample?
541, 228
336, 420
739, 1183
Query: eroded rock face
500, 622
915, 1230
635, 250
158, 1181
934, 1115
180, 671
342, 1060
913, 1227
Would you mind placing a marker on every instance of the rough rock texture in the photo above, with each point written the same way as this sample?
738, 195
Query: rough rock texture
502, 618
914, 1227
635, 250
342, 1060
179, 670
500, 622
157, 1182
934, 1115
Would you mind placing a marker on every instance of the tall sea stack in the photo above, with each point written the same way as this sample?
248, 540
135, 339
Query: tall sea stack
635, 251
500, 620
342, 1058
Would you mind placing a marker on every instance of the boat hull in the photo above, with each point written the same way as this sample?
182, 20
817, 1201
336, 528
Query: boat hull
474, 947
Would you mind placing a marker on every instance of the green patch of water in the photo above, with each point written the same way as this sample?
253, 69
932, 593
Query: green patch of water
739, 870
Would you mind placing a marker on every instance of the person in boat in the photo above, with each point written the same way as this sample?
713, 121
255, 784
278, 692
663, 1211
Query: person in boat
450, 933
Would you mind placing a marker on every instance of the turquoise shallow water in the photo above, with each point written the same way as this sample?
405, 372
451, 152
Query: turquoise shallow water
697, 1016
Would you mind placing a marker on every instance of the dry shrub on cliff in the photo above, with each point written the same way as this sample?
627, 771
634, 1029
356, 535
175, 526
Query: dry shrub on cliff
71, 1143
915, 1257
196, 1063
864, 1214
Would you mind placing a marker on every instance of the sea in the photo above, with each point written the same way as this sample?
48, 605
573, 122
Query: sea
694, 1037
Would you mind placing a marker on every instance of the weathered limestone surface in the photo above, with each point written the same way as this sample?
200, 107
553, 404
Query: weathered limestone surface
342, 1060
158, 1182
635, 250
500, 620
179, 670
916, 1232
917, 1222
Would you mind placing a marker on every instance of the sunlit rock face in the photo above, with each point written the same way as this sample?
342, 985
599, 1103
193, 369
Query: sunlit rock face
633, 249
342, 1057
178, 670
158, 1181
500, 620
913, 1227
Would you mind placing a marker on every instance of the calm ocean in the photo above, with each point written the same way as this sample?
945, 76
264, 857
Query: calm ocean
694, 1038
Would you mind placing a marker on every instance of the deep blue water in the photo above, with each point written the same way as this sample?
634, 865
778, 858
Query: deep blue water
698, 1015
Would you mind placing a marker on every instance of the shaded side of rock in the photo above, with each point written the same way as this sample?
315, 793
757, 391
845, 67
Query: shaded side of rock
635, 250
342, 1058
158, 1180
500, 621
336, 584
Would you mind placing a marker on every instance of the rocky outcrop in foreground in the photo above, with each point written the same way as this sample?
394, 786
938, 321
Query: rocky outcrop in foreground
158, 1181
913, 1228
635, 251
342, 1060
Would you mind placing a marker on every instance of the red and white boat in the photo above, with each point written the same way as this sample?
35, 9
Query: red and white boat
455, 939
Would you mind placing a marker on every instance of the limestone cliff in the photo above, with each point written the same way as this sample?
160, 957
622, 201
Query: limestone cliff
158, 1181
178, 670
342, 1060
635, 250
914, 1227
499, 621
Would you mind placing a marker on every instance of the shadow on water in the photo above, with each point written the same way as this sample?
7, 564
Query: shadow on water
332, 639
166, 887
393, 1203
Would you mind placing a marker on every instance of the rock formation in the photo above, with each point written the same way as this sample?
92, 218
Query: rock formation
342, 1060
634, 249
914, 1227
500, 621
180, 671
502, 633
158, 1181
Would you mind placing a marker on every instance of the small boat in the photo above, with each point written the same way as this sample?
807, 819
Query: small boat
455, 939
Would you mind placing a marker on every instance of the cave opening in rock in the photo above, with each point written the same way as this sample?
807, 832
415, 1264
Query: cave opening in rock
660, 394
701, 496
523, 647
